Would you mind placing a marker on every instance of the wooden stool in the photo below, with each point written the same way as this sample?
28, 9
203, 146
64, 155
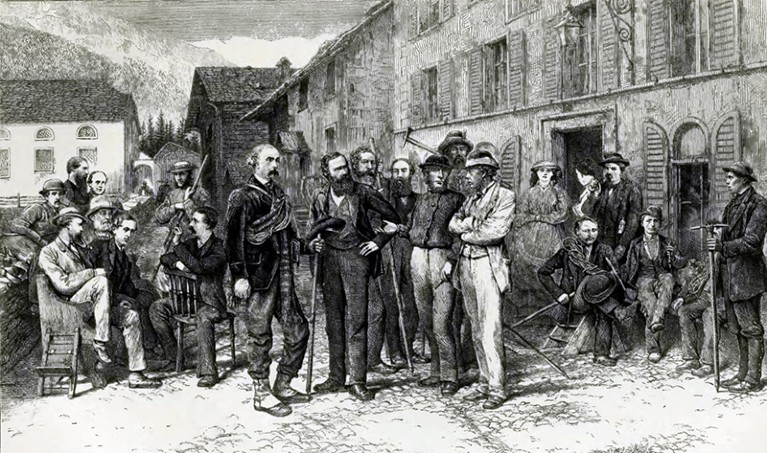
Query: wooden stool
59, 361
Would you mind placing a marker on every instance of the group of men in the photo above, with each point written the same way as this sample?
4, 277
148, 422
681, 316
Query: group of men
391, 261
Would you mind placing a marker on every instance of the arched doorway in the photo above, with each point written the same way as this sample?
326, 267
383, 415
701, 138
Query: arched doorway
691, 187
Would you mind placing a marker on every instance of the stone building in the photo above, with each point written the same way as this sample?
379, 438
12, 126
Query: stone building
45, 122
678, 87
220, 97
340, 100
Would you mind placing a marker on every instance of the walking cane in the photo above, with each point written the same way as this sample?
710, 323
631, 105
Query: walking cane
330, 225
400, 307
709, 227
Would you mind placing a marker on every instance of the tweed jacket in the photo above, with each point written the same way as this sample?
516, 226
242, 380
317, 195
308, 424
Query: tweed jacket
630, 268
742, 270
67, 268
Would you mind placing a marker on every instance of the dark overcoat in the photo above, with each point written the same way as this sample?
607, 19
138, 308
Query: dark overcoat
572, 274
208, 263
669, 263
625, 203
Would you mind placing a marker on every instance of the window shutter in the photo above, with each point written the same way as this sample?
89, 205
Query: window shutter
655, 147
725, 49
658, 40
416, 99
447, 9
488, 89
510, 163
552, 68
444, 89
610, 48
725, 142
517, 51
475, 81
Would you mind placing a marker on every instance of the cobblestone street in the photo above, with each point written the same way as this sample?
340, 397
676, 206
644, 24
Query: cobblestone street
634, 407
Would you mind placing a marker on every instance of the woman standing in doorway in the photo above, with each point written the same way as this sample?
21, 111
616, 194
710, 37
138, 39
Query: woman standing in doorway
587, 177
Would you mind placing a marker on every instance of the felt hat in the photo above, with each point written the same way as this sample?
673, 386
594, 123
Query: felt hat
454, 138
100, 202
741, 169
65, 214
436, 160
326, 224
594, 289
52, 184
182, 166
482, 155
613, 158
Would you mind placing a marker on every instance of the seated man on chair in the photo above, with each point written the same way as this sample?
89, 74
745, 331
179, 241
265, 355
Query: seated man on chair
588, 283
650, 263
76, 281
204, 256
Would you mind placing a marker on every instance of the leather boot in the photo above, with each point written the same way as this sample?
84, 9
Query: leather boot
287, 394
742, 364
755, 357
265, 401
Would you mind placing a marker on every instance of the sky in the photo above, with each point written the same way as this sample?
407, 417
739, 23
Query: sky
245, 32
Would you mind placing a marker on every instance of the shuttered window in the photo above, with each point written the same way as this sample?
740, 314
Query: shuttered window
656, 152
496, 72
430, 89
476, 103
517, 67
658, 40
416, 99
724, 24
726, 146
609, 48
551, 68
581, 56
425, 14
510, 155
445, 89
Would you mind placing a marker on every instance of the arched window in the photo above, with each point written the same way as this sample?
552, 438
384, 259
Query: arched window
5, 134
86, 133
44, 134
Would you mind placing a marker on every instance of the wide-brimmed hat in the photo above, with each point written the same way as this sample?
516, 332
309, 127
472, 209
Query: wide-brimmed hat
182, 166
100, 202
436, 161
594, 289
741, 169
326, 224
454, 138
65, 214
652, 211
52, 184
483, 154
545, 164
613, 158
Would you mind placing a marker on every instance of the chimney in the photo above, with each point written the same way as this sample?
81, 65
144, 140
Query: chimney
284, 67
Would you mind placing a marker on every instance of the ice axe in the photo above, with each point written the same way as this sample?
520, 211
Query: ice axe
417, 143
709, 227
327, 225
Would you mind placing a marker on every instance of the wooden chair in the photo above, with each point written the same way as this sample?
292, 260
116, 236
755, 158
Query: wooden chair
185, 295
59, 360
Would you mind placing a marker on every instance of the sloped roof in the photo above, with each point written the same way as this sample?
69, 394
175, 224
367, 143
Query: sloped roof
327, 49
171, 148
231, 84
292, 142
51, 101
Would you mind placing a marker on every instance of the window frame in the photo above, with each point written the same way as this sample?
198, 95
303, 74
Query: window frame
42, 129
330, 79
89, 148
582, 81
303, 94
5, 134
328, 137
7, 173
497, 76
523, 7
84, 127
37, 160
430, 90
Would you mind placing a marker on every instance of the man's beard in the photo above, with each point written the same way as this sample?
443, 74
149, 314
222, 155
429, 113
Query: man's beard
342, 185
368, 178
80, 179
435, 188
401, 187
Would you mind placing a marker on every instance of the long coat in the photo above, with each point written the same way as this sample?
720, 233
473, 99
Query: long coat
258, 263
623, 204
208, 263
365, 201
484, 223
630, 268
572, 274
742, 271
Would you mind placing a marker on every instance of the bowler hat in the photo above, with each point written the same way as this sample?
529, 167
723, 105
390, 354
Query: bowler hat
182, 166
482, 155
741, 169
65, 214
98, 203
52, 184
436, 160
454, 138
613, 158
594, 289
322, 225
653, 211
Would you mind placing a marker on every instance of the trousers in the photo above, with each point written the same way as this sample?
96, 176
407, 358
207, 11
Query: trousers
96, 296
435, 299
744, 318
127, 319
689, 315
654, 295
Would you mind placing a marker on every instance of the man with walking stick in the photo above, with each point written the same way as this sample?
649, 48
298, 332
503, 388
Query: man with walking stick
742, 273
262, 247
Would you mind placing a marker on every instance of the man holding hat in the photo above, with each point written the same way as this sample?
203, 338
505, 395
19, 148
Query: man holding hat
76, 281
650, 263
182, 199
588, 283
33, 228
742, 273
431, 264
455, 147
618, 207
482, 273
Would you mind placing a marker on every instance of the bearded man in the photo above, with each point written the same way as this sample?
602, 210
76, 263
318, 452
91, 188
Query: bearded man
349, 259
76, 193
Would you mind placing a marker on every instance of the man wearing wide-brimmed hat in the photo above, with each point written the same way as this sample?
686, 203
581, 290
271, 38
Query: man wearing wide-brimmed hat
75, 281
742, 273
588, 284
100, 215
33, 229
455, 147
650, 264
618, 207
182, 199
482, 272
